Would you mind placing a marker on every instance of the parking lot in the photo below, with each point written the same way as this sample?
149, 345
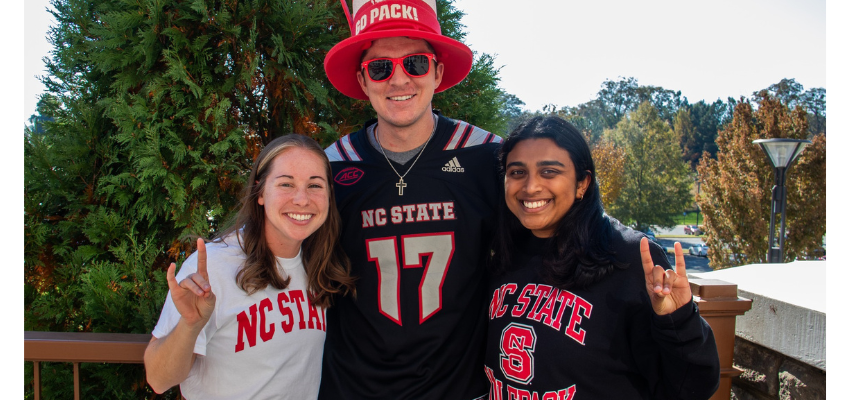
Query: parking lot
692, 263
667, 237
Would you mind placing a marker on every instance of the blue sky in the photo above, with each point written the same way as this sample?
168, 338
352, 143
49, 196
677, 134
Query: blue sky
560, 52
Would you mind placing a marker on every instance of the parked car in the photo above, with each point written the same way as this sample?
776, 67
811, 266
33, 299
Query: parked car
650, 234
700, 250
692, 230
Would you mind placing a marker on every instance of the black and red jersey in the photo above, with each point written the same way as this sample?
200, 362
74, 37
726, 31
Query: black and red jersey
417, 328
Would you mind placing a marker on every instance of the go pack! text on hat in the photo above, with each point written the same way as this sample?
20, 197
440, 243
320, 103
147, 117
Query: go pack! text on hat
386, 11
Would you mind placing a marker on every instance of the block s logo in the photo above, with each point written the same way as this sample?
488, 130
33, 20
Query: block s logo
517, 352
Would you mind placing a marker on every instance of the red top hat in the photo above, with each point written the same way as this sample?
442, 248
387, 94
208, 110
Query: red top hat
376, 19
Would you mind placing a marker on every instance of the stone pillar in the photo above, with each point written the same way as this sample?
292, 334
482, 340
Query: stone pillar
719, 304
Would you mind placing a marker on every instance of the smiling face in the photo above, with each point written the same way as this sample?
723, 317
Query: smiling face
295, 199
540, 185
401, 101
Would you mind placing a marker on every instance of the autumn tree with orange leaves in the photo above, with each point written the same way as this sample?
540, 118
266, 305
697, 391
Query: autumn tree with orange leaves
736, 187
609, 161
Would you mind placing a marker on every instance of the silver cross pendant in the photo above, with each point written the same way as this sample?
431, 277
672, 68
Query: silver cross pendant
401, 185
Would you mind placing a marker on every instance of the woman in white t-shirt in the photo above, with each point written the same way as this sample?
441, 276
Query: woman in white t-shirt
247, 318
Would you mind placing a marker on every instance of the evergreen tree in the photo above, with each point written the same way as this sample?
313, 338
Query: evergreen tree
706, 119
656, 181
512, 110
685, 130
814, 101
478, 98
736, 187
153, 115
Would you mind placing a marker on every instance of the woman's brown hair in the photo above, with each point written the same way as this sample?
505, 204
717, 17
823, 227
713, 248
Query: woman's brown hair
328, 268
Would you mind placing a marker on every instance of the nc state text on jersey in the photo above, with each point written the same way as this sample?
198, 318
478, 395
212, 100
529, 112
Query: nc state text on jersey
409, 213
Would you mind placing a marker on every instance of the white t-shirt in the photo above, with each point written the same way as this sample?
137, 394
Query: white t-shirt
264, 346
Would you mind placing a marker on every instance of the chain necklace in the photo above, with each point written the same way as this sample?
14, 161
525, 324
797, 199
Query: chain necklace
401, 185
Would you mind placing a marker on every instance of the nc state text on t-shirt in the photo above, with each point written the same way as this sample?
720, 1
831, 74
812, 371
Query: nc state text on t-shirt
248, 327
544, 307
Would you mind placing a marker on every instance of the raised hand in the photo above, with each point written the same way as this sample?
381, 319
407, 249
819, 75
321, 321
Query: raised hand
193, 296
668, 289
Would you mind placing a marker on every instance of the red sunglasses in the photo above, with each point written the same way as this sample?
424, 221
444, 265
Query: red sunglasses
414, 65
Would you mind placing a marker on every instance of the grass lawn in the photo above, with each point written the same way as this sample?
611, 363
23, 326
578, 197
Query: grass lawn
689, 219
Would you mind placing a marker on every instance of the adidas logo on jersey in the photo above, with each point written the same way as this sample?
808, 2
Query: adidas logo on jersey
453, 166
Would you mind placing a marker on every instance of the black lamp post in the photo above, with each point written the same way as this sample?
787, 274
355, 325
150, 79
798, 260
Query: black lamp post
696, 180
781, 152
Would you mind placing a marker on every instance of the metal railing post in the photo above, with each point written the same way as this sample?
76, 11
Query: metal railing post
719, 304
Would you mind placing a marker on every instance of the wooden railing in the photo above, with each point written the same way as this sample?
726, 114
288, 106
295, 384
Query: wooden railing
718, 302
78, 347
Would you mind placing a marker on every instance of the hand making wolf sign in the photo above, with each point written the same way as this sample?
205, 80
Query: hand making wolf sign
193, 296
668, 289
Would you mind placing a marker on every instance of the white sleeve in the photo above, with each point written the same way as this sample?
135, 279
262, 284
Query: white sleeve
170, 316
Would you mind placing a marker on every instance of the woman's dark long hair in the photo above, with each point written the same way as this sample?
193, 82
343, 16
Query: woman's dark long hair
578, 254
327, 266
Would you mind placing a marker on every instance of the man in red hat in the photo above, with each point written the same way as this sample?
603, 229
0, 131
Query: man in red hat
417, 192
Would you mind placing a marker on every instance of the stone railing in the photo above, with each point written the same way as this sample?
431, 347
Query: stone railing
780, 344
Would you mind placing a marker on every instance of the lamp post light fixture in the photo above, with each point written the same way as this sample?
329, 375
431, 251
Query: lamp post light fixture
781, 152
